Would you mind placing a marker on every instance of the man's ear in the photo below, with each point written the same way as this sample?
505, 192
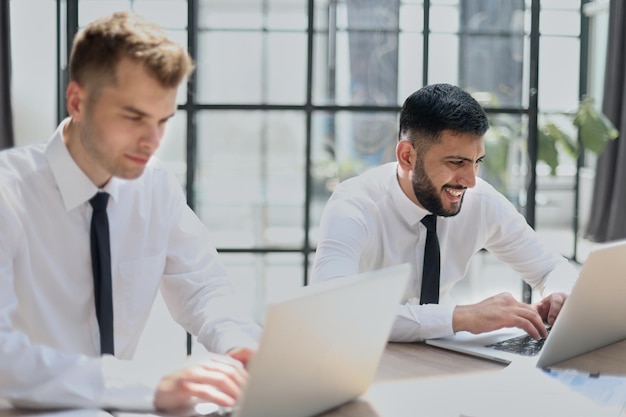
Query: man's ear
75, 98
405, 154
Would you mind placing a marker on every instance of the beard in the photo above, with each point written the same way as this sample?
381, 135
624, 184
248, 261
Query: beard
428, 196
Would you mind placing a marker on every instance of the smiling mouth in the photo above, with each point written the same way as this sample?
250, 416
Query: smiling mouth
455, 192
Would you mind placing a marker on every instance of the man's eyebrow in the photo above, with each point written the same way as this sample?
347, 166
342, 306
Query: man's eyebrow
464, 158
138, 112
135, 110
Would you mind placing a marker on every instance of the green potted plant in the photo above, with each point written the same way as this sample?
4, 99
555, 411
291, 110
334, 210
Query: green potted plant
506, 132
594, 128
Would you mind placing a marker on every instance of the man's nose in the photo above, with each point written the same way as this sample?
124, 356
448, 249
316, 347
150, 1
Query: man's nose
468, 176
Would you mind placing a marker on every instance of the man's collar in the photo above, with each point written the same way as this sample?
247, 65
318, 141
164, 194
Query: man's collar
75, 187
411, 212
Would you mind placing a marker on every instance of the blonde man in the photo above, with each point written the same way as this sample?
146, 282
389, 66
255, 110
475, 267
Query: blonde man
55, 347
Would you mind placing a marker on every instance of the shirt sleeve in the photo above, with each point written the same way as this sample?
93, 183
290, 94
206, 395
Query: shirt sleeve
416, 323
514, 242
344, 232
197, 290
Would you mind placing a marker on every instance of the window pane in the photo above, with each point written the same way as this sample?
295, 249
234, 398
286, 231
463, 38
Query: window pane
361, 64
560, 4
444, 59
231, 14
227, 77
344, 145
332, 73
367, 68
559, 72
90, 10
286, 67
444, 19
444, 2
494, 17
492, 48
493, 66
411, 17
323, 89
250, 183
268, 67
171, 14
410, 59
559, 22
353, 141
33, 77
290, 14
372, 15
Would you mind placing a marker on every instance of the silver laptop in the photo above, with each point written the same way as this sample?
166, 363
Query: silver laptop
321, 347
592, 317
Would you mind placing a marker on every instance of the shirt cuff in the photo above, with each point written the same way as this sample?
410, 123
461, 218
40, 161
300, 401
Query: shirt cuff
230, 336
416, 323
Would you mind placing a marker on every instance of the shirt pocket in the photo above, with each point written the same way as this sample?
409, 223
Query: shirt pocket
138, 283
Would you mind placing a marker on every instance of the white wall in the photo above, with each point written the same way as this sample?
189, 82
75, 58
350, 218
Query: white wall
33, 48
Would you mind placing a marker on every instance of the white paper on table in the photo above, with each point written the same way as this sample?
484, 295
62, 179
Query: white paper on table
516, 391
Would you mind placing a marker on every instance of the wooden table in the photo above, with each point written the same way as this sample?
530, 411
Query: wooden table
399, 361
410, 361
417, 362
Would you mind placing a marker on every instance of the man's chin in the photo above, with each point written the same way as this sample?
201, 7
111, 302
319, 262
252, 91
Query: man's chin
453, 211
130, 175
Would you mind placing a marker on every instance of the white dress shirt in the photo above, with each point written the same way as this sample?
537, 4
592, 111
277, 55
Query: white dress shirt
369, 223
49, 337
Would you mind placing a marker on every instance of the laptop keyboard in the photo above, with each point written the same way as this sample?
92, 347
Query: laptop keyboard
523, 345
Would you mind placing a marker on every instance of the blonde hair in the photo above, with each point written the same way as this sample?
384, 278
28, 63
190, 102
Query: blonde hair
101, 45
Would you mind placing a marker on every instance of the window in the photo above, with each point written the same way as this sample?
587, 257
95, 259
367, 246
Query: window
292, 96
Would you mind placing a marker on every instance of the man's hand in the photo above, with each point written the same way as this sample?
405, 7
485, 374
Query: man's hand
503, 310
550, 307
241, 354
217, 380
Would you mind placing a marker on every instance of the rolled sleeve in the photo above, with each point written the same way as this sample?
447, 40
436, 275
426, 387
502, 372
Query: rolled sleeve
416, 323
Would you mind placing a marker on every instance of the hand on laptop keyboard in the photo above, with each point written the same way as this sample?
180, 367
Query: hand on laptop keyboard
523, 345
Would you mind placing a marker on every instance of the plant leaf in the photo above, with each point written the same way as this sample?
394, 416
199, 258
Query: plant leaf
594, 127
558, 136
547, 151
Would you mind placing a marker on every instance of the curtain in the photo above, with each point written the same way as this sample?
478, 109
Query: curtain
6, 115
608, 210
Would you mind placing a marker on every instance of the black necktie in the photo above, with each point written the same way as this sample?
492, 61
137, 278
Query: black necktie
101, 265
430, 274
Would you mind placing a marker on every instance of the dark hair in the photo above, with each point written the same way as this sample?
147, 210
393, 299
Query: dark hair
102, 44
438, 107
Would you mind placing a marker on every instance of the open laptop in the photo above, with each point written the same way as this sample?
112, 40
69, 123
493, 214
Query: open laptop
321, 347
592, 317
